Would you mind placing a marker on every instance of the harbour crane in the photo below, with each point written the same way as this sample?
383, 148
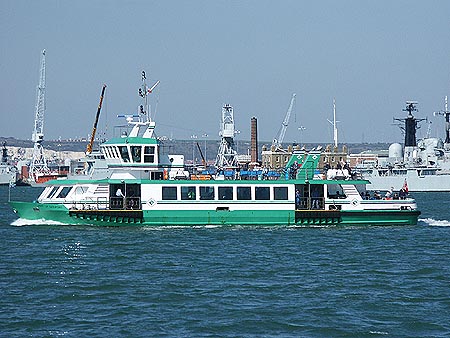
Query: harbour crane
94, 129
39, 162
226, 156
277, 142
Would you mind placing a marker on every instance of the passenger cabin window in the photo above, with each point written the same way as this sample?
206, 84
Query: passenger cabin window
335, 191
124, 153
169, 193
262, 193
149, 154
206, 193
136, 153
188, 193
225, 193
280, 193
64, 192
244, 193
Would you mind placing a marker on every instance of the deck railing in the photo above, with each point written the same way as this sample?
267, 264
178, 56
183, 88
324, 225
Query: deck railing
310, 203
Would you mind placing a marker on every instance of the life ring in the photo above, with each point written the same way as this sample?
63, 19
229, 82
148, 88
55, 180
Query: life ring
165, 174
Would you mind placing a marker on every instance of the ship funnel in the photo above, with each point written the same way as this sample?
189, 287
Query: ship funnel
254, 140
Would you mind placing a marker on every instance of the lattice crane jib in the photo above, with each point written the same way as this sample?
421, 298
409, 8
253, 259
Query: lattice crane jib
39, 162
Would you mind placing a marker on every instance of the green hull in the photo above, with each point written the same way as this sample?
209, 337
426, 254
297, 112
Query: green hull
59, 213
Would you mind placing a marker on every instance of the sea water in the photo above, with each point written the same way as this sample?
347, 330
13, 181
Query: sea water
361, 281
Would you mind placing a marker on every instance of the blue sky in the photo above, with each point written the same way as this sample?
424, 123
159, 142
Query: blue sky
371, 56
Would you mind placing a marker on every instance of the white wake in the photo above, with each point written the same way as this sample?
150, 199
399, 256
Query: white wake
435, 222
22, 222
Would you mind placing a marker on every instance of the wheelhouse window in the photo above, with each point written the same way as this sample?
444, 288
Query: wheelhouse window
169, 193
64, 192
280, 193
136, 153
206, 193
225, 193
188, 193
110, 153
262, 193
115, 152
124, 153
149, 154
244, 193
53, 192
81, 190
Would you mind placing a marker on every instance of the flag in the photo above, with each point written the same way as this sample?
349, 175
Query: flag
405, 185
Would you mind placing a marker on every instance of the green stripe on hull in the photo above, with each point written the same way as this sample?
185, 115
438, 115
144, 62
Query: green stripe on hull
381, 217
221, 217
59, 213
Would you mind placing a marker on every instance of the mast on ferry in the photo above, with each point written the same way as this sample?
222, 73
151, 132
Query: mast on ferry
144, 91
144, 119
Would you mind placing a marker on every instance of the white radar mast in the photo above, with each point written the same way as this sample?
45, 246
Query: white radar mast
334, 124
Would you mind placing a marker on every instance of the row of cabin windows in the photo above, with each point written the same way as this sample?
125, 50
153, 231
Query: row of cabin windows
133, 154
225, 193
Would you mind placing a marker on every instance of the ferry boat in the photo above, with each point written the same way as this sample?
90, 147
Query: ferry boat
147, 187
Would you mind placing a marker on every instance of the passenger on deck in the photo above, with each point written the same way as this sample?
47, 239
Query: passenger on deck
389, 194
315, 194
297, 199
402, 194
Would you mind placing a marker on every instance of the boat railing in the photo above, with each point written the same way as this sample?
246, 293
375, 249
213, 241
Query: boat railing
310, 203
98, 203
121, 203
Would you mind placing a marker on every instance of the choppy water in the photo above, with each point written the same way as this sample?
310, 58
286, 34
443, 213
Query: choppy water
226, 281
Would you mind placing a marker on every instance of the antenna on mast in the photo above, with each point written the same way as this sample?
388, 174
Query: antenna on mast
144, 91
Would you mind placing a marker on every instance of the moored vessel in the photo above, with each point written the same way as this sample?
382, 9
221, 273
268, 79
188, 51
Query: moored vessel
8, 172
423, 164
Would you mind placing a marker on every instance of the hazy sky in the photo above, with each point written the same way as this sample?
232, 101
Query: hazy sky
371, 56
